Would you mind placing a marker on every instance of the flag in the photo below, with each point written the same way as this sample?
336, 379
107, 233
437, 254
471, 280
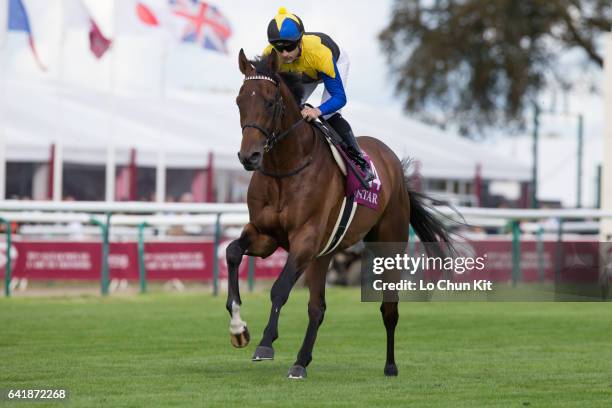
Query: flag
18, 21
146, 15
133, 17
76, 15
204, 24
98, 44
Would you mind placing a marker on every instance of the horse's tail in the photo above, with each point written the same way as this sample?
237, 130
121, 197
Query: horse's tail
427, 222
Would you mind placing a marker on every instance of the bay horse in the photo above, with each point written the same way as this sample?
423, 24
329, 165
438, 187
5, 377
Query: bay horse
294, 198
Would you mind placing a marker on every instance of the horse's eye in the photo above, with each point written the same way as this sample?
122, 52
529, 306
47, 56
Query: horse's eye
269, 104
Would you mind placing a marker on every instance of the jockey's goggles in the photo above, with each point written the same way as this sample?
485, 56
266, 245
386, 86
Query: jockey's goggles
285, 46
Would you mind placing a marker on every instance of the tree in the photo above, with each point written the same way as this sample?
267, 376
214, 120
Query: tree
481, 63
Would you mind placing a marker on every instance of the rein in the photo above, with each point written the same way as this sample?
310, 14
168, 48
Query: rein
272, 138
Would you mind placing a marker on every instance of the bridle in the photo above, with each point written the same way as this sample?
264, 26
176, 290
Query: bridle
273, 137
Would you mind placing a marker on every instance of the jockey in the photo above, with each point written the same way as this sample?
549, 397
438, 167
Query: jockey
319, 59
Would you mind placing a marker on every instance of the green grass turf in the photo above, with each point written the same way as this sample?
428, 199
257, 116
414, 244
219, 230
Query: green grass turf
174, 350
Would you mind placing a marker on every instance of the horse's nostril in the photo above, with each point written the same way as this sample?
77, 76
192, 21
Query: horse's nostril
255, 157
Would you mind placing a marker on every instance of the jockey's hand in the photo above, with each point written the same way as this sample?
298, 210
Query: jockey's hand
309, 113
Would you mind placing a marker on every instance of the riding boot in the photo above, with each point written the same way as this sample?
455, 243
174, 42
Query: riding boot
342, 127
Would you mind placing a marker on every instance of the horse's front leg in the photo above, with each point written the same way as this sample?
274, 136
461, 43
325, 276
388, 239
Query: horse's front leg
301, 253
278, 295
315, 276
257, 245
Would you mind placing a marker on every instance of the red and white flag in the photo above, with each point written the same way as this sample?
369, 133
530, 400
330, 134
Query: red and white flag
78, 16
134, 17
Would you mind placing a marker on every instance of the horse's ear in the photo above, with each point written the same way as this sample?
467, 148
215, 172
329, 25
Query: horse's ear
273, 61
244, 64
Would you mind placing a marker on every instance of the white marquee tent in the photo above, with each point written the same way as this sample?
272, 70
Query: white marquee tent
188, 126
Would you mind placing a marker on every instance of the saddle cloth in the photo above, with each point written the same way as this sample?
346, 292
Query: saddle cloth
355, 194
365, 197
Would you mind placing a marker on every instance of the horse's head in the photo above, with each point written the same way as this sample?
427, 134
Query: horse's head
261, 109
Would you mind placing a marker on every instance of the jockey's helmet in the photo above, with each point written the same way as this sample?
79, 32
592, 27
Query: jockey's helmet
285, 29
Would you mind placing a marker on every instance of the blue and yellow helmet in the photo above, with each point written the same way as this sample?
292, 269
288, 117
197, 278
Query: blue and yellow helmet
285, 28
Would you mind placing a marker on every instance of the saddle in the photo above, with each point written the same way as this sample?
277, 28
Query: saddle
357, 192
356, 188
340, 151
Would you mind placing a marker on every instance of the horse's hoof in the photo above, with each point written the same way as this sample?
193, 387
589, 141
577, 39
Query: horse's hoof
263, 353
297, 372
391, 370
241, 340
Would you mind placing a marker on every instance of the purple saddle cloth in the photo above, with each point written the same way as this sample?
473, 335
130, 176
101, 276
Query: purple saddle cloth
366, 197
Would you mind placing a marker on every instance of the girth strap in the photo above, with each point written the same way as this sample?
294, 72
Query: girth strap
347, 212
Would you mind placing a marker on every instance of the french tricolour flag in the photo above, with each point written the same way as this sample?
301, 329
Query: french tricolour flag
18, 20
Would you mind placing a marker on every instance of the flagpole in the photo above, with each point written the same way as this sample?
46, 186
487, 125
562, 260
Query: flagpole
61, 117
4, 61
60, 56
110, 169
160, 177
113, 47
164, 63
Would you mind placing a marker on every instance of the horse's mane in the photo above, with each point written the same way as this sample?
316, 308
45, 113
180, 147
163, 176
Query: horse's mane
291, 79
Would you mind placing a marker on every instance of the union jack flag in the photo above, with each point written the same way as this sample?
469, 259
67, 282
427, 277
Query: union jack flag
205, 25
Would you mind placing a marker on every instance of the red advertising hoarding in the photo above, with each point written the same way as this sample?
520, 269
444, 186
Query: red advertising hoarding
195, 261
163, 261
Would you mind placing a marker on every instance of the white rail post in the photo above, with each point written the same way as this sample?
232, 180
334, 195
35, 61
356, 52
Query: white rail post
58, 168
2, 163
110, 169
160, 177
606, 179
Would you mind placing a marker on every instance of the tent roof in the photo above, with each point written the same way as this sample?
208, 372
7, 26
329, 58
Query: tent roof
186, 126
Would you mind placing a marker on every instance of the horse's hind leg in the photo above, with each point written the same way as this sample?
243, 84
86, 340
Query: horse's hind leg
392, 229
315, 276
390, 317
259, 245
